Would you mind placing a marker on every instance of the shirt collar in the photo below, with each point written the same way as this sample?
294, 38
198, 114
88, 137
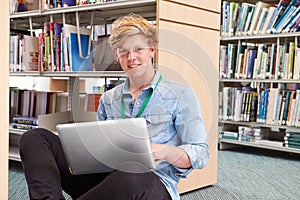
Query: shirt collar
151, 85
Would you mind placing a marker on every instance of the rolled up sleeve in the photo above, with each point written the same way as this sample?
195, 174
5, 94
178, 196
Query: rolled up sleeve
190, 126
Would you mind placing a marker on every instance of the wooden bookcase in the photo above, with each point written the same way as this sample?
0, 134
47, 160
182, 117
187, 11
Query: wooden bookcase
4, 82
193, 59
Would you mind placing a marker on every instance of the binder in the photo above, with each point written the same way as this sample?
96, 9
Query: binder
75, 44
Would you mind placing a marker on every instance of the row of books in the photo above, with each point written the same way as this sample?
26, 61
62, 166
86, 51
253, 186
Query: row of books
260, 61
238, 104
31, 103
59, 48
292, 140
256, 135
22, 6
24, 123
272, 106
244, 133
260, 18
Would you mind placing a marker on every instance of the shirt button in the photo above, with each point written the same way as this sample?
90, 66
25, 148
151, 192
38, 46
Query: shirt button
137, 103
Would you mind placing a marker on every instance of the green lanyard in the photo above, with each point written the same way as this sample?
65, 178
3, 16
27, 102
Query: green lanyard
144, 104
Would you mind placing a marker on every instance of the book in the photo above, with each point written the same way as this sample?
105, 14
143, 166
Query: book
288, 11
254, 103
233, 14
92, 102
25, 120
242, 17
14, 99
257, 64
292, 16
250, 66
57, 46
248, 20
265, 105
268, 19
23, 126
285, 108
277, 13
232, 51
225, 18
229, 135
293, 135
80, 48
30, 53
261, 21
296, 73
259, 7
46, 46
272, 60
292, 20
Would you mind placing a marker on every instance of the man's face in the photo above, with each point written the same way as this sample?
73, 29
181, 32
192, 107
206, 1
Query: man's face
135, 55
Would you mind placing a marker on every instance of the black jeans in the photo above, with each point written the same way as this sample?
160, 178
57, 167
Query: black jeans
47, 174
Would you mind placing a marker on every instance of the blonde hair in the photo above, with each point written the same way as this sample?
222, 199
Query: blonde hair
132, 24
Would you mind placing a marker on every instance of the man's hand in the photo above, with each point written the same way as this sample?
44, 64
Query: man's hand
160, 151
174, 155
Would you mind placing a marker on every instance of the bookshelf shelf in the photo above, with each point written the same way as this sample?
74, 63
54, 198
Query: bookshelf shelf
253, 144
16, 131
94, 74
255, 124
14, 153
260, 80
260, 37
119, 7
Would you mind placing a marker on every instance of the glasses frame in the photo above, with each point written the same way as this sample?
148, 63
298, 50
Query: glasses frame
122, 53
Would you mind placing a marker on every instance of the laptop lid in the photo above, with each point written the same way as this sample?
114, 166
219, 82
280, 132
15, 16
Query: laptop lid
104, 146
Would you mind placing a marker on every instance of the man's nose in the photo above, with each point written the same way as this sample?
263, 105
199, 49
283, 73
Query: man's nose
131, 54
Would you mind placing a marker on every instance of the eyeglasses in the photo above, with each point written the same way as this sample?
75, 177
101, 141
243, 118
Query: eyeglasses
125, 52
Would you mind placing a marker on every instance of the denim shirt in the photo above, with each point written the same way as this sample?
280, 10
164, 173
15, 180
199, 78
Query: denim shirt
173, 117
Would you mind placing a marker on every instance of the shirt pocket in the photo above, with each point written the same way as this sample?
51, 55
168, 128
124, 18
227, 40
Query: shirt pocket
159, 126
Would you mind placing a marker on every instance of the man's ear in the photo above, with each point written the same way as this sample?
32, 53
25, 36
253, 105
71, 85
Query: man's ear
152, 51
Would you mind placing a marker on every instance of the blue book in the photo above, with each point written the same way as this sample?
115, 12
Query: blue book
265, 106
286, 106
83, 61
260, 107
80, 63
251, 59
277, 109
225, 14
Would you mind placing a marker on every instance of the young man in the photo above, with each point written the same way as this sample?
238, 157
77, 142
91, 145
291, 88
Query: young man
173, 116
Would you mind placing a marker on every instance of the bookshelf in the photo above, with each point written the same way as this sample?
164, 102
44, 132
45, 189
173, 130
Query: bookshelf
196, 30
4, 79
258, 77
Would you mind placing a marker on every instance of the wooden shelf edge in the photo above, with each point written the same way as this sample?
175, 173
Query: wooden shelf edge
253, 144
14, 153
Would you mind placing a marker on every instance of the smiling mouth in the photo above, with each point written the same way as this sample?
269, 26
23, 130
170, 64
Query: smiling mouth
134, 65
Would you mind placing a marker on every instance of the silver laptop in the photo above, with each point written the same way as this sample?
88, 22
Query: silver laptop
104, 146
